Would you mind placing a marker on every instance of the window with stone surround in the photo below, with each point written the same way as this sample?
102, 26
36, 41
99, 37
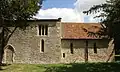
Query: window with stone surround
95, 48
42, 45
63, 55
9, 54
43, 30
46, 29
71, 48
39, 29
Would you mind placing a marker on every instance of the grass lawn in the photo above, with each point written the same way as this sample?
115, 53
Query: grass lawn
76, 67
28, 67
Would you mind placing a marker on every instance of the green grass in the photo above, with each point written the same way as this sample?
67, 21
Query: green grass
76, 67
27, 67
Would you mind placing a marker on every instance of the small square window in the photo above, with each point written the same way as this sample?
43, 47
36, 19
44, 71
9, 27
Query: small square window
63, 55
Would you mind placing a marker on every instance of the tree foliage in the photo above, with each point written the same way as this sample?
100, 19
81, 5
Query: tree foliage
18, 10
15, 13
110, 20
110, 17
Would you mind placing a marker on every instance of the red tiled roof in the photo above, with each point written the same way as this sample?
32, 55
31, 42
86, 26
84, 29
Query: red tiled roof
78, 30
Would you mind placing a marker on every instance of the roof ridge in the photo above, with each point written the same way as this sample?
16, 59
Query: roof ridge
79, 23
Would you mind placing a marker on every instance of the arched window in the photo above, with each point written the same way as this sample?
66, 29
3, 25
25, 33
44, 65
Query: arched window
42, 45
71, 48
9, 54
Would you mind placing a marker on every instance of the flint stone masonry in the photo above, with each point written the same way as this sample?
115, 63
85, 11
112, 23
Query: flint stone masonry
79, 50
27, 46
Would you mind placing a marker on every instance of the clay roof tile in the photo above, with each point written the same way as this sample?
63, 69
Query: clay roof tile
79, 30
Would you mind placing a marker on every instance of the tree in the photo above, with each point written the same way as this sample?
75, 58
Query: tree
15, 13
110, 19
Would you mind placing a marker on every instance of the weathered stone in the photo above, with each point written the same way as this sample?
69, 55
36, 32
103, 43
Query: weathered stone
27, 45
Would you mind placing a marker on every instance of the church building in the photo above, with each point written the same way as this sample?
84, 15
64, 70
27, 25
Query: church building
48, 41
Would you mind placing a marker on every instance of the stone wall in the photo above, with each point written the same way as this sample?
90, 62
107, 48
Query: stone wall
103, 51
27, 44
78, 51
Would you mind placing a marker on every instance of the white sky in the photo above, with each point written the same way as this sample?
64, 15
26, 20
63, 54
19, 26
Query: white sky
70, 14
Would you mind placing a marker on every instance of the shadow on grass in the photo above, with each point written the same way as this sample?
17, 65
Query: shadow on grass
85, 67
3, 65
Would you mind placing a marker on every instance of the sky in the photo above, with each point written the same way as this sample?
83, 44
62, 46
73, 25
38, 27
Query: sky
68, 10
58, 4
